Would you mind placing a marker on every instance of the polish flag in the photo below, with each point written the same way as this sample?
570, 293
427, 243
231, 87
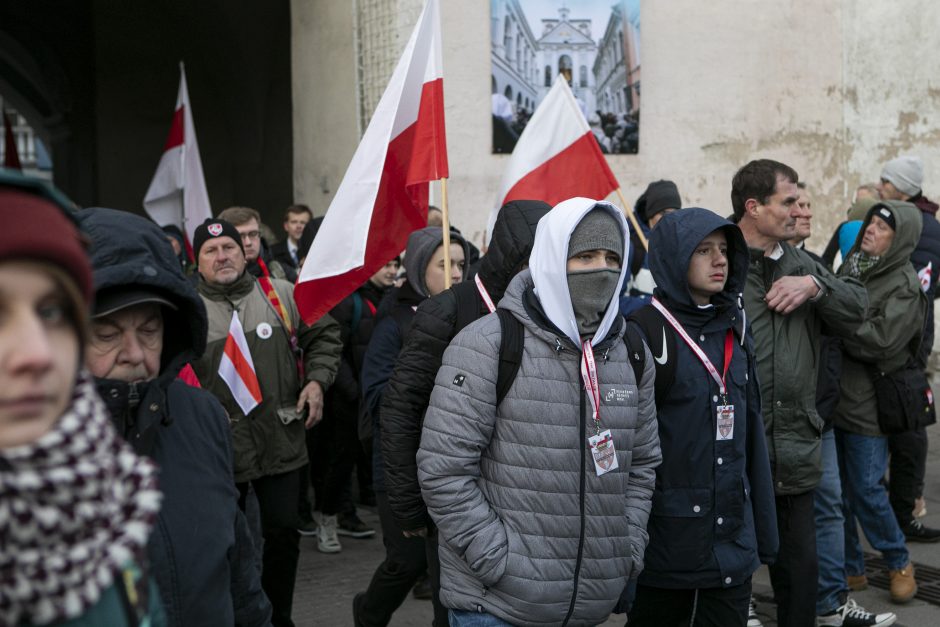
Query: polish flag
237, 369
556, 157
384, 194
11, 158
177, 194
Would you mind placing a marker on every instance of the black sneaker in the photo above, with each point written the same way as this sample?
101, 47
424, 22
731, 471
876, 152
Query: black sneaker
915, 531
854, 615
351, 526
422, 589
308, 528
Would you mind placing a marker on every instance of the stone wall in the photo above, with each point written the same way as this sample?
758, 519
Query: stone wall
833, 88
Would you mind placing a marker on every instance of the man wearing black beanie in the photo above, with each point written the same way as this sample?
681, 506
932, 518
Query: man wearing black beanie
660, 198
268, 429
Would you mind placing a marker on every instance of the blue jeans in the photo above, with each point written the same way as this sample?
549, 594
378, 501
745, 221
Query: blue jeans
462, 618
830, 530
862, 463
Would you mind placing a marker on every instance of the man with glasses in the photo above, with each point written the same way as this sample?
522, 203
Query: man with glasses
260, 262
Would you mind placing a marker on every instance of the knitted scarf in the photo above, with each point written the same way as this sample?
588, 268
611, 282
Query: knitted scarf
76, 506
859, 264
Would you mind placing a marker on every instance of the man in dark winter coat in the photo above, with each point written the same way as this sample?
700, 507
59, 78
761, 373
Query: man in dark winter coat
406, 558
334, 444
261, 262
788, 296
902, 179
148, 323
435, 324
707, 535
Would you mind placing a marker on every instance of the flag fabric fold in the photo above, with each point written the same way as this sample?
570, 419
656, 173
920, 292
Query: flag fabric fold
177, 194
11, 157
556, 157
238, 370
384, 194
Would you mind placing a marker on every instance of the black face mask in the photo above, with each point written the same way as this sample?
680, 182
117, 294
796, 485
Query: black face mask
591, 292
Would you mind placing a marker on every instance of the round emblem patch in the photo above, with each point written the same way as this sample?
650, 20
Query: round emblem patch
215, 229
263, 330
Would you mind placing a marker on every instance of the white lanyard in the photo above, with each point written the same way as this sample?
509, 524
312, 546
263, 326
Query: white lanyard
589, 374
484, 294
729, 346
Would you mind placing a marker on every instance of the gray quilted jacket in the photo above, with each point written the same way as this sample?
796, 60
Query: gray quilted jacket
527, 531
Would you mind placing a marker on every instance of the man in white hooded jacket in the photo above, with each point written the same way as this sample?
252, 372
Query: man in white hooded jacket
541, 499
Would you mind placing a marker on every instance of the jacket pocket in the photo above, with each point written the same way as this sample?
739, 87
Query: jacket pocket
680, 529
488, 553
288, 415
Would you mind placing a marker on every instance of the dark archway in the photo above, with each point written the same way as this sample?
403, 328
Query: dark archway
99, 83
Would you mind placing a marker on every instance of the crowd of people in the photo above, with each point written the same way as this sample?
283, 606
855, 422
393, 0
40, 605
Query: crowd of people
589, 420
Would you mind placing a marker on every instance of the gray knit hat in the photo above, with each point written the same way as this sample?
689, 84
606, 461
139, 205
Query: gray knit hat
597, 230
906, 173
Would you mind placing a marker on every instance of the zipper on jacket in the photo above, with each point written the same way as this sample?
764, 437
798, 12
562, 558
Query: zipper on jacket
577, 565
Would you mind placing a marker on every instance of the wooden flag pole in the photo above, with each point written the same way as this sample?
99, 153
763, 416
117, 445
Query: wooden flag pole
632, 217
446, 226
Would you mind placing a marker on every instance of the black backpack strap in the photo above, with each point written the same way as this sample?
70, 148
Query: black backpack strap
468, 304
636, 352
356, 314
661, 339
511, 340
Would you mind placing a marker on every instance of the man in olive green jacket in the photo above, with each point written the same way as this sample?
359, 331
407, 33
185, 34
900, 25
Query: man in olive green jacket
788, 297
887, 340
269, 442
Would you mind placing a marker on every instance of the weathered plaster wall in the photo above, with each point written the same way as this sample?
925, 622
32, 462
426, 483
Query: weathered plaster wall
324, 75
831, 87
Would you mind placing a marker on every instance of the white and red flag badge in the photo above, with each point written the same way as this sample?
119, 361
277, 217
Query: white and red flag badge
238, 370
556, 157
384, 194
177, 194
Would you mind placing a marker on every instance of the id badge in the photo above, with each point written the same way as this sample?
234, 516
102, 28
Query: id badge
725, 421
602, 450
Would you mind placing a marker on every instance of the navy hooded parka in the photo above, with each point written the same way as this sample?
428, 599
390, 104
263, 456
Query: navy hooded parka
713, 518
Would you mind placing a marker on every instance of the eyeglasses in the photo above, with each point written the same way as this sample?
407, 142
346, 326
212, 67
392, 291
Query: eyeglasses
251, 235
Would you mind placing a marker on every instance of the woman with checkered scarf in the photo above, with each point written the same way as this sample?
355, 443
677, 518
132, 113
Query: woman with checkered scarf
76, 504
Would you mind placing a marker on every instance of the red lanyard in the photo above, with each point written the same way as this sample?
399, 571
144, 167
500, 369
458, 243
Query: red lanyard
589, 374
729, 349
484, 294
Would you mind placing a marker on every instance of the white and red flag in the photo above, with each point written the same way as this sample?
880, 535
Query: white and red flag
177, 194
384, 193
237, 369
556, 157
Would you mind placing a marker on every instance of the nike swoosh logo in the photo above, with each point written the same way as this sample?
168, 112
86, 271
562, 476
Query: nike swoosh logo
661, 360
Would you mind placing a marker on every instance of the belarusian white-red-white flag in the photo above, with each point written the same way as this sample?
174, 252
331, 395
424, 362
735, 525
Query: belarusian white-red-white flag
384, 193
238, 370
556, 157
177, 194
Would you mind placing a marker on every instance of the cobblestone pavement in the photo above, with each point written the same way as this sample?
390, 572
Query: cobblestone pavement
326, 583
